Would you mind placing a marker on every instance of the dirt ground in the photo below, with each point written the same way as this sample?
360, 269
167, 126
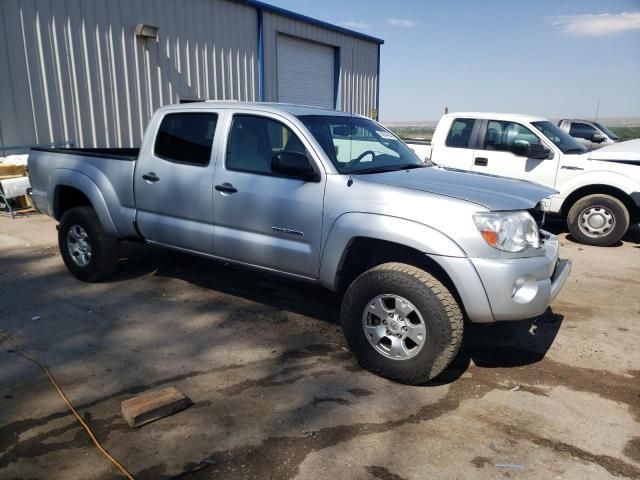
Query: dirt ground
275, 393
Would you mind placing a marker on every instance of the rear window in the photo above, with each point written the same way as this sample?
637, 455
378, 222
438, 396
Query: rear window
186, 137
460, 133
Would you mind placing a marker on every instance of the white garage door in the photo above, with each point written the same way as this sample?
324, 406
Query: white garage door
305, 72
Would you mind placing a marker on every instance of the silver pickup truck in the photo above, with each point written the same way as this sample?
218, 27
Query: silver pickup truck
589, 133
324, 197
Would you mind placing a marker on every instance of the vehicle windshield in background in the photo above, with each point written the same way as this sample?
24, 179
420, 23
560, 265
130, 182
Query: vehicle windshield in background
609, 133
359, 145
565, 142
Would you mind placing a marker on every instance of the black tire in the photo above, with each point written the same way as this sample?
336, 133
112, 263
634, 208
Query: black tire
611, 205
442, 318
104, 247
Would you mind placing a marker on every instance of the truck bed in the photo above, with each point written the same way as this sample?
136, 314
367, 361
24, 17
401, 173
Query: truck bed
103, 175
130, 154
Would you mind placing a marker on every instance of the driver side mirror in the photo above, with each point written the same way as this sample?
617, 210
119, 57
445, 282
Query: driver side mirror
597, 137
537, 151
294, 164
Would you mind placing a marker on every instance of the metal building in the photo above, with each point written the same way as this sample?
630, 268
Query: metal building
93, 71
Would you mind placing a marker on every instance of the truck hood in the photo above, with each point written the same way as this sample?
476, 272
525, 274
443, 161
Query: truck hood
626, 152
490, 191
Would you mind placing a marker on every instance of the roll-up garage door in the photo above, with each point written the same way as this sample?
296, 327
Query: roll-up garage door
305, 72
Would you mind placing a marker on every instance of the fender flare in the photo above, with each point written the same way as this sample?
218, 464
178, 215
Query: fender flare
75, 179
353, 225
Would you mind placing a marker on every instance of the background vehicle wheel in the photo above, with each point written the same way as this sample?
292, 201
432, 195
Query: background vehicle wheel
401, 323
599, 220
89, 253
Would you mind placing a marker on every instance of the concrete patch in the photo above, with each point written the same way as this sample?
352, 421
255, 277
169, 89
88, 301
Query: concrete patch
276, 395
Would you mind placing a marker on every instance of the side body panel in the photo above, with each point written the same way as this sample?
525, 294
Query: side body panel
593, 172
107, 183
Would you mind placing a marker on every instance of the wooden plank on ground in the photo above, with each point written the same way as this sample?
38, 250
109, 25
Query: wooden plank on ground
154, 405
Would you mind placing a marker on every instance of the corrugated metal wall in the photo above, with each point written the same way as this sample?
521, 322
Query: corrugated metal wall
73, 69
358, 61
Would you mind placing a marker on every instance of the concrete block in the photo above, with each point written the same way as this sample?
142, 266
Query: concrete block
154, 405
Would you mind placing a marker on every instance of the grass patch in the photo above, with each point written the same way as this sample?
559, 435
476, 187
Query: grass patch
413, 133
626, 133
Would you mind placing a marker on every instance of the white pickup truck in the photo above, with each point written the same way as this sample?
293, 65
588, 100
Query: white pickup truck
598, 191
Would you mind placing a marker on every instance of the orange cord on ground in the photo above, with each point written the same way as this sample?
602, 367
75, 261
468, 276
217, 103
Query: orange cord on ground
66, 400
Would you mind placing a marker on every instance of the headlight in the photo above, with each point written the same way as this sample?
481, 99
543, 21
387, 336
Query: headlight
508, 231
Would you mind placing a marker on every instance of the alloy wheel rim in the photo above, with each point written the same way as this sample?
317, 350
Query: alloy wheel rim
596, 221
79, 246
394, 327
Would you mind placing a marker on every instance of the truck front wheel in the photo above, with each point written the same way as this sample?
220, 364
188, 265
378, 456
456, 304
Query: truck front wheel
599, 220
89, 252
401, 323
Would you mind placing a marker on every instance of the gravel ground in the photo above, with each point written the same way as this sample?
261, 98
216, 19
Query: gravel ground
276, 395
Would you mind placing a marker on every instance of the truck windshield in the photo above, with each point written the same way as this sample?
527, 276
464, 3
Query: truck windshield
359, 145
609, 133
561, 139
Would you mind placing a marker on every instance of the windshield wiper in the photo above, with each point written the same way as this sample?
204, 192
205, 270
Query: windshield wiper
388, 168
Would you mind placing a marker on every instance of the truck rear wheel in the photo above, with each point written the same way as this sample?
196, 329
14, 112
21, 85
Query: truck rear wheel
88, 251
401, 323
599, 220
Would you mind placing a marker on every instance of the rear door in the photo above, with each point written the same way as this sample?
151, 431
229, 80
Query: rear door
173, 182
500, 152
263, 218
456, 149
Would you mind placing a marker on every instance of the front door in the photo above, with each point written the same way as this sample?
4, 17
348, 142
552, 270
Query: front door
173, 183
501, 152
263, 218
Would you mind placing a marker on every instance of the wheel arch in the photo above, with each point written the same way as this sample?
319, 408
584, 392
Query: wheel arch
359, 240
73, 189
603, 189
364, 253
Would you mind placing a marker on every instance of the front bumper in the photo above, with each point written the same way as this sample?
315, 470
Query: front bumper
520, 288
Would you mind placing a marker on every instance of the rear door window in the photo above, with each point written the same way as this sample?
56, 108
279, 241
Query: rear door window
186, 137
460, 133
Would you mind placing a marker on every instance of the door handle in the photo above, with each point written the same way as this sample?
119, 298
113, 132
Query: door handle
481, 161
226, 188
151, 177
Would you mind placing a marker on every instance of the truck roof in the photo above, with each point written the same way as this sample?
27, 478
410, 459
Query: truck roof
496, 116
580, 120
296, 110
